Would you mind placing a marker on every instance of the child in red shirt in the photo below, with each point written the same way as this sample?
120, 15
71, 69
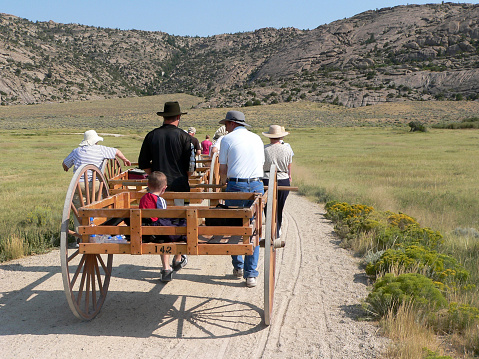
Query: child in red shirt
156, 187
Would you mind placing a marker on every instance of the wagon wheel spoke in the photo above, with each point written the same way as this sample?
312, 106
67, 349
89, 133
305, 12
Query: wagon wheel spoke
93, 288
105, 268
78, 271
86, 277
98, 278
77, 252
87, 190
82, 284
100, 191
79, 192
87, 291
111, 168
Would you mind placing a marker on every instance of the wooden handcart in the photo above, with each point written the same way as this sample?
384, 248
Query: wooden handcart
104, 206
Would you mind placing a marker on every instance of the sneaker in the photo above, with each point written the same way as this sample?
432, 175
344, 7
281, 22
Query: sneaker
238, 273
178, 265
166, 275
251, 282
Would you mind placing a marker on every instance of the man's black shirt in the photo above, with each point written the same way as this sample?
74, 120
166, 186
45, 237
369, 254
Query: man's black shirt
168, 149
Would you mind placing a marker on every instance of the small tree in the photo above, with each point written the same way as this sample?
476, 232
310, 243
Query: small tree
417, 126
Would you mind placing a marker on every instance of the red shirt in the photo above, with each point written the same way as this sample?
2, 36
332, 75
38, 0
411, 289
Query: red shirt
150, 200
206, 145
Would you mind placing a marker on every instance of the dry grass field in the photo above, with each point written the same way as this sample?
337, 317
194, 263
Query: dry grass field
363, 155
139, 114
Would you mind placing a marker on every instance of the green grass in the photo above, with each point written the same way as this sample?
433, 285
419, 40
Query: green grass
429, 176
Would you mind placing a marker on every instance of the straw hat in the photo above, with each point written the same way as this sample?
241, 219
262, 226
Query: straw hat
275, 131
90, 137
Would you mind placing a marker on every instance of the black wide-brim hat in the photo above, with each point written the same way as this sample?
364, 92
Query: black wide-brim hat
171, 109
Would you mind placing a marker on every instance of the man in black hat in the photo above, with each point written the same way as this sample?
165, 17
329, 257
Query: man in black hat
241, 159
168, 149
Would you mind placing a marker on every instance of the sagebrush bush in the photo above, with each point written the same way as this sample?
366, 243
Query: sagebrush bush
37, 233
437, 266
339, 211
429, 354
389, 229
400, 220
456, 318
391, 291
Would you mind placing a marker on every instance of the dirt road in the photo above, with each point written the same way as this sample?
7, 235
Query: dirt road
204, 312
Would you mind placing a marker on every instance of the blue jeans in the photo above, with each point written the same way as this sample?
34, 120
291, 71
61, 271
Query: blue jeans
250, 263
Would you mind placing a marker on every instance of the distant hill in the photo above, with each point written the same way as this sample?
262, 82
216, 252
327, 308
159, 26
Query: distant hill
415, 52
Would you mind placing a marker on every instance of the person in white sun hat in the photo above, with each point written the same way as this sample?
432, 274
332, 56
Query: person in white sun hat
89, 152
281, 154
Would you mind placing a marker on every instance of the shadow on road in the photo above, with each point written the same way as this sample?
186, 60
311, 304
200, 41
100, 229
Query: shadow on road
38, 310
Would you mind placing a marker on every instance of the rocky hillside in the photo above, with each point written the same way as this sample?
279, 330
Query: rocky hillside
418, 52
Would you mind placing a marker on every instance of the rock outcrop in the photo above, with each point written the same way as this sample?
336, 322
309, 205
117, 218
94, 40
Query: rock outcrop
417, 52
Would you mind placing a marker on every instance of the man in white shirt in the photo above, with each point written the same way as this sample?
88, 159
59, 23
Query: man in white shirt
241, 161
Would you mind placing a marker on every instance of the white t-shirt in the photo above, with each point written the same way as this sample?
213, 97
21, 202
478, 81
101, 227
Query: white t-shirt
243, 152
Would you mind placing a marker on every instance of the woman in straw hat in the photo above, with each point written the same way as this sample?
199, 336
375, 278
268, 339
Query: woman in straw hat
280, 154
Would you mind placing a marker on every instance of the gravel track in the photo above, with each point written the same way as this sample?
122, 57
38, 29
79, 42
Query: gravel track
204, 312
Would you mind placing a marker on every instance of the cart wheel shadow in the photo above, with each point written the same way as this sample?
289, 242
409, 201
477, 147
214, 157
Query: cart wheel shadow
152, 275
127, 313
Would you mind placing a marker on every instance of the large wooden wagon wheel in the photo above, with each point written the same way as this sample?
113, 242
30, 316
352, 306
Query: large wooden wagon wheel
269, 246
111, 168
215, 172
85, 277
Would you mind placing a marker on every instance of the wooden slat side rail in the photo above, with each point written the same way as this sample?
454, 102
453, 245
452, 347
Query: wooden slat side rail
110, 230
164, 248
85, 222
128, 182
135, 231
209, 195
192, 231
223, 230
106, 248
173, 248
248, 233
222, 249
200, 195
129, 190
104, 212
177, 212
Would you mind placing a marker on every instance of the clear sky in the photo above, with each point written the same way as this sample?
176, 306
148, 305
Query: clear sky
195, 17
